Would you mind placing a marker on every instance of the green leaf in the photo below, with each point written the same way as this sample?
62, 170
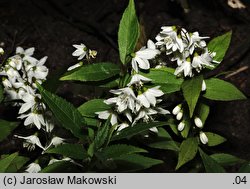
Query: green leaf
203, 111
102, 134
6, 128
17, 163
89, 109
168, 81
136, 129
214, 139
61, 167
245, 168
210, 164
191, 90
69, 117
165, 145
92, 72
220, 45
187, 127
1, 93
129, 32
226, 159
135, 162
118, 150
218, 89
6, 162
75, 151
188, 150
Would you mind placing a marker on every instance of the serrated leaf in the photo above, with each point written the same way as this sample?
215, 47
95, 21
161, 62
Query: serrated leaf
136, 129
89, 109
69, 117
226, 159
75, 151
102, 134
6, 162
218, 89
6, 128
92, 72
220, 45
191, 90
165, 145
118, 150
214, 139
168, 81
129, 32
135, 162
211, 166
60, 167
188, 150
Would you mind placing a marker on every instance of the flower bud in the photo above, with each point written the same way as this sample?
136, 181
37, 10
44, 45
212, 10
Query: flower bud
198, 122
181, 126
1, 51
203, 87
179, 116
176, 110
203, 138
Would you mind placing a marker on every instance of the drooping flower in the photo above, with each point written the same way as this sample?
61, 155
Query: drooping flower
185, 68
31, 141
105, 115
33, 118
55, 141
138, 79
81, 51
33, 168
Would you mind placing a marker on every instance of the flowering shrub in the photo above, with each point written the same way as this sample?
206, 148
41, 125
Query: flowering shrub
159, 99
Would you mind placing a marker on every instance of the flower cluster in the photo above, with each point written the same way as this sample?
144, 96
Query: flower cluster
178, 112
189, 50
135, 102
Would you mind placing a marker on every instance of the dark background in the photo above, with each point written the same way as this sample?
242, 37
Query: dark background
53, 26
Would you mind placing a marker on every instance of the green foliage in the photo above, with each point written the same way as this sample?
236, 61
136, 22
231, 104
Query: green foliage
69, 117
220, 45
191, 90
168, 81
136, 129
92, 72
60, 167
135, 162
118, 150
129, 32
226, 159
188, 150
75, 151
203, 111
211, 166
245, 168
214, 139
89, 108
6, 128
218, 89
7, 161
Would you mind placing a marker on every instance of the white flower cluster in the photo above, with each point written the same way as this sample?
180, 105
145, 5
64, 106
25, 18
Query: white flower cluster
189, 50
20, 73
135, 102
178, 112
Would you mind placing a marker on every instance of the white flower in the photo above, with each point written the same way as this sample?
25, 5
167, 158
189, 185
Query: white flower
74, 66
179, 116
38, 71
15, 62
181, 126
33, 168
56, 141
141, 57
33, 118
198, 122
121, 127
26, 54
81, 51
203, 138
145, 114
185, 68
49, 126
105, 115
31, 142
58, 160
29, 103
196, 41
203, 86
138, 79
177, 109
125, 100
201, 61
1, 51
149, 96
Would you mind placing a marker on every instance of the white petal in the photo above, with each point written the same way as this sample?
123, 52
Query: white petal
143, 63
143, 100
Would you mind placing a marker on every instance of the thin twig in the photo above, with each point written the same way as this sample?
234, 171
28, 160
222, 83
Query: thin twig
241, 69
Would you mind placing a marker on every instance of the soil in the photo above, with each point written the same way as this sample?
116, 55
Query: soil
53, 26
